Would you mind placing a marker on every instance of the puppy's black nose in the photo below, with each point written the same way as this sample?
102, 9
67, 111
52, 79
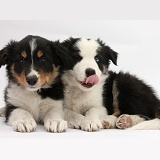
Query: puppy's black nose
32, 80
90, 71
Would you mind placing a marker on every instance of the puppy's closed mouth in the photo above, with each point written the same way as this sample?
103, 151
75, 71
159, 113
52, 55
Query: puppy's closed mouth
90, 81
32, 88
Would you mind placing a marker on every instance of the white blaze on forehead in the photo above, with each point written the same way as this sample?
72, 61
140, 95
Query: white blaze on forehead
87, 47
33, 45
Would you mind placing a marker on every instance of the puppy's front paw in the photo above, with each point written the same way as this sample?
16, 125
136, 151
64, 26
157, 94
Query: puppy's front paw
90, 124
109, 121
75, 123
55, 126
24, 125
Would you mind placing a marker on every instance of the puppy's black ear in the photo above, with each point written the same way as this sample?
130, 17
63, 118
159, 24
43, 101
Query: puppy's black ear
3, 56
112, 54
62, 53
4, 53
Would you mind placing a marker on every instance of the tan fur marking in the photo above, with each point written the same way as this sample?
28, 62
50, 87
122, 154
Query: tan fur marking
115, 93
39, 54
105, 70
24, 54
21, 79
48, 78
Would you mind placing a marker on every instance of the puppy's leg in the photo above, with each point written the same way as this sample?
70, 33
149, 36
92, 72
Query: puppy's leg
53, 121
92, 121
21, 120
109, 121
74, 119
126, 121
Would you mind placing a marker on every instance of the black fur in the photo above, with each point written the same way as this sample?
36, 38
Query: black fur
72, 50
135, 96
9, 110
55, 92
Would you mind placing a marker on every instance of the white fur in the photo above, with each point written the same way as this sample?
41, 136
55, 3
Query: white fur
33, 73
138, 123
109, 121
22, 121
87, 47
84, 106
88, 103
34, 108
33, 45
147, 125
125, 121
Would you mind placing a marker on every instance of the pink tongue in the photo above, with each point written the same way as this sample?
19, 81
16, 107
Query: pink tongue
92, 79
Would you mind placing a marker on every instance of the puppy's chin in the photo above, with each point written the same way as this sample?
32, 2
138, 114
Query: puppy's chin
37, 87
32, 88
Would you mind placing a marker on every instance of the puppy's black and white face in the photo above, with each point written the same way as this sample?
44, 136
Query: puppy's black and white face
32, 62
91, 59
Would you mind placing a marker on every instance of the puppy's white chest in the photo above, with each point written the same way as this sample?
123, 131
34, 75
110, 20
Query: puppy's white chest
80, 101
24, 99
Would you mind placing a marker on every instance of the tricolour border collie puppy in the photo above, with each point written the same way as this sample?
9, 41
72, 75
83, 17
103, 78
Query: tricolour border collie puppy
95, 97
35, 92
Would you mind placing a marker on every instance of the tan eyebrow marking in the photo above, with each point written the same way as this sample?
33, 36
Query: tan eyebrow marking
24, 54
39, 54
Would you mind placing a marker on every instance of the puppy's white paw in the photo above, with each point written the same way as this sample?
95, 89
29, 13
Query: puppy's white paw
24, 125
109, 121
56, 126
91, 124
124, 121
75, 123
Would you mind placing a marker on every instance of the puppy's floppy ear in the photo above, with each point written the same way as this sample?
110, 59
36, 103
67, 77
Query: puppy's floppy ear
3, 56
4, 53
112, 54
63, 55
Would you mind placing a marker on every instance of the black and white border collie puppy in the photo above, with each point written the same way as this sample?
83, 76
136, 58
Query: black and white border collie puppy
35, 92
95, 97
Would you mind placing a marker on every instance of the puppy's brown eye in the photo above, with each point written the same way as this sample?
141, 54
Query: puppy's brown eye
21, 60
